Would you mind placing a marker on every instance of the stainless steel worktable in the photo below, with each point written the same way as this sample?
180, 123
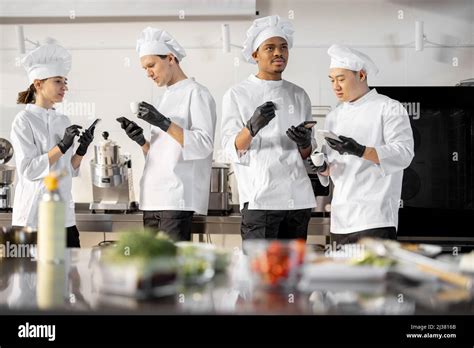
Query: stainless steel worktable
211, 224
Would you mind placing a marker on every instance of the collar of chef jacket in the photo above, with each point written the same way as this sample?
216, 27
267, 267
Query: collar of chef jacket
267, 83
179, 84
361, 100
39, 111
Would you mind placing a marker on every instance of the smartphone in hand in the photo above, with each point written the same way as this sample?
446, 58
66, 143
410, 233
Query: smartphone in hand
92, 126
329, 135
309, 124
124, 121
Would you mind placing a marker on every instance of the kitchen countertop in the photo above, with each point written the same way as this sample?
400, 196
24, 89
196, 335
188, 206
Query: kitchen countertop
216, 223
88, 221
30, 286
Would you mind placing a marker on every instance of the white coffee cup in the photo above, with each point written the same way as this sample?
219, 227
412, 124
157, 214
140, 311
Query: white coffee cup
134, 107
317, 158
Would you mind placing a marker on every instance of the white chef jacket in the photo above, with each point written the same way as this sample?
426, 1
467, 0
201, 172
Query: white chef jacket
35, 131
178, 177
367, 195
271, 174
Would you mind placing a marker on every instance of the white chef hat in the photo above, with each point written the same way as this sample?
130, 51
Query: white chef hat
155, 41
47, 61
263, 29
351, 59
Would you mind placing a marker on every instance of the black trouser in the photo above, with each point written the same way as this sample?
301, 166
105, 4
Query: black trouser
72, 236
274, 224
349, 238
176, 223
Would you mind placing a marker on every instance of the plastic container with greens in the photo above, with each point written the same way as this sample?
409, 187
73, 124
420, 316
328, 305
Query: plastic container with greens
140, 265
196, 262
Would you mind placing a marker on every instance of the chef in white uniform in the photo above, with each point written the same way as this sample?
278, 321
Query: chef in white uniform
177, 173
367, 166
43, 139
263, 136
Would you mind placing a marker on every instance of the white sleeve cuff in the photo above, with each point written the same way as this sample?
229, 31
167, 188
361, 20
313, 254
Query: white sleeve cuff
234, 155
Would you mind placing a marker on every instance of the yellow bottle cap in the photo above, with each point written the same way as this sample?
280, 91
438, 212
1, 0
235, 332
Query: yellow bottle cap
51, 182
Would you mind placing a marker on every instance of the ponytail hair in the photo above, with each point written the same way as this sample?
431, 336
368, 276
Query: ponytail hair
28, 96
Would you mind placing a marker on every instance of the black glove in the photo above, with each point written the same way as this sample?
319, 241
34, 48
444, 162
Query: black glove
85, 140
134, 131
348, 145
315, 168
261, 117
300, 135
148, 113
68, 138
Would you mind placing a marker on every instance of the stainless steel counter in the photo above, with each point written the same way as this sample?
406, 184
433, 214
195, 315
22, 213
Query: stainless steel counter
43, 288
229, 224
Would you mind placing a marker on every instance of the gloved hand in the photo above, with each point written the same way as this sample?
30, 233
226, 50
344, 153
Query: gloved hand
261, 117
68, 138
85, 140
147, 112
317, 162
348, 145
300, 135
134, 132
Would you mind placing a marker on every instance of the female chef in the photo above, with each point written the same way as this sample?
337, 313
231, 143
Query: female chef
43, 139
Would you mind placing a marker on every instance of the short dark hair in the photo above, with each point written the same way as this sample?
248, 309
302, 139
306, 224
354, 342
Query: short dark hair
164, 56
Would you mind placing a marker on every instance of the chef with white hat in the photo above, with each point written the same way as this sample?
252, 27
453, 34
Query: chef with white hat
43, 139
366, 165
266, 138
176, 178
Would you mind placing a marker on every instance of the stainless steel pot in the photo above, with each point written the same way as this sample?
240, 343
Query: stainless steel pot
5, 197
7, 174
219, 177
107, 152
219, 195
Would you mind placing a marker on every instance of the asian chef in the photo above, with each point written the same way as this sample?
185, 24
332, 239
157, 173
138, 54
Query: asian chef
176, 178
264, 137
376, 145
43, 139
